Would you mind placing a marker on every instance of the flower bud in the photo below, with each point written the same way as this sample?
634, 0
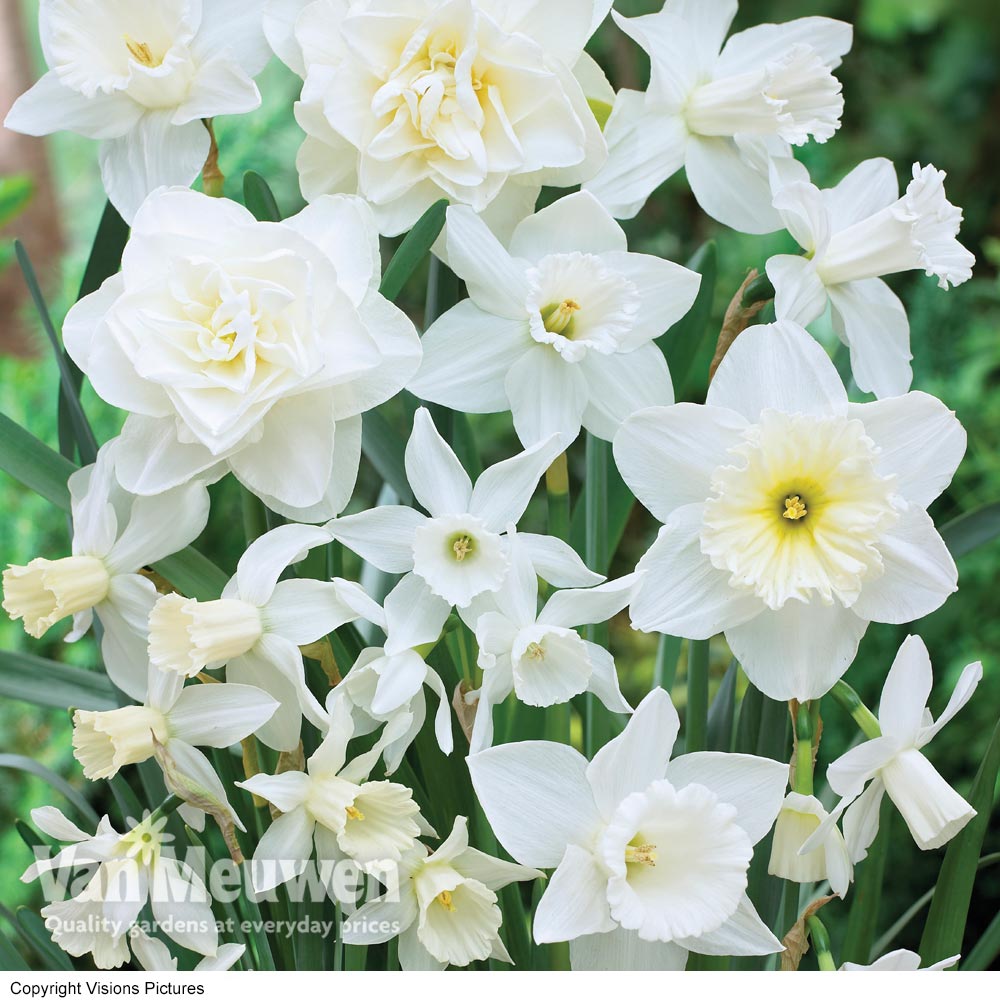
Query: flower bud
46, 590
187, 635
104, 742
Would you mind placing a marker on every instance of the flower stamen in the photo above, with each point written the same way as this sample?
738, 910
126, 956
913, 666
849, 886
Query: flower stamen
462, 546
641, 854
444, 899
795, 508
141, 52
353, 812
557, 318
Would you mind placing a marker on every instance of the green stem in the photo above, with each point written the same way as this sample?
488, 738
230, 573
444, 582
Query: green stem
557, 488
668, 651
167, 807
821, 945
845, 696
254, 517
597, 730
696, 717
803, 781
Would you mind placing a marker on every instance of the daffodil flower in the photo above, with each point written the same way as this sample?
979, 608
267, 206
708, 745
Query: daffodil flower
131, 869
154, 956
792, 518
115, 535
559, 325
900, 960
256, 628
458, 550
893, 763
852, 235
650, 854
140, 78
799, 818
726, 111
446, 912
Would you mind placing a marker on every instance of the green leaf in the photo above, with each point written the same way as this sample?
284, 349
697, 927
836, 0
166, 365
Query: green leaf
722, 714
969, 531
15, 193
681, 342
10, 957
45, 471
106, 253
620, 504
949, 911
35, 932
29, 766
25, 677
259, 198
411, 251
74, 428
986, 950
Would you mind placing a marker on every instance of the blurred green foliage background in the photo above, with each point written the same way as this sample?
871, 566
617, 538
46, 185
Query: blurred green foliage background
922, 83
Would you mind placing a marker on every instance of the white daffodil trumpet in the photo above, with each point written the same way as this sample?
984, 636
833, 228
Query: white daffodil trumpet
854, 234
798, 518
141, 77
893, 763
559, 326
538, 654
458, 551
447, 912
799, 818
333, 805
115, 535
387, 683
131, 869
651, 854
471, 100
215, 336
258, 625
726, 111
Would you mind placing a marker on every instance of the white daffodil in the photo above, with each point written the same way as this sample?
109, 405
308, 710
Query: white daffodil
471, 100
216, 336
446, 912
333, 805
538, 654
114, 536
853, 234
900, 960
132, 869
140, 77
651, 854
154, 956
799, 818
792, 518
558, 327
257, 627
388, 682
724, 112
893, 763
459, 550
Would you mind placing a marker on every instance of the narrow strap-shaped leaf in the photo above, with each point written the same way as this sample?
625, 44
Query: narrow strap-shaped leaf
25, 677
385, 449
722, 714
949, 911
411, 251
34, 931
259, 199
106, 253
968, 531
29, 766
70, 377
681, 342
10, 958
866, 898
986, 949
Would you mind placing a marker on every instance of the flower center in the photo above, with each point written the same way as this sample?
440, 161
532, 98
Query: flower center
144, 841
535, 651
462, 546
353, 812
641, 854
801, 511
559, 318
443, 898
795, 508
141, 52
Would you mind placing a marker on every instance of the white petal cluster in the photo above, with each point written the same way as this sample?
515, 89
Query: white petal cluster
216, 337
725, 110
140, 77
475, 101
558, 326
792, 518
